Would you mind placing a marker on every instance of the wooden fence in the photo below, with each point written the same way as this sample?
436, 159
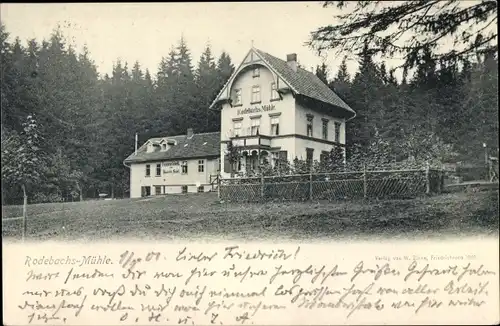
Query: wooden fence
333, 186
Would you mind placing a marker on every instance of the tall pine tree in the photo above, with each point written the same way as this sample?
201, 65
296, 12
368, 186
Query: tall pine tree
206, 83
322, 73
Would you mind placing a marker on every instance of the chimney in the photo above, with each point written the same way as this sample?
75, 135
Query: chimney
190, 132
136, 141
291, 60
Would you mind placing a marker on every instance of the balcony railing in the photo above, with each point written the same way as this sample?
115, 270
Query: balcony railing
253, 140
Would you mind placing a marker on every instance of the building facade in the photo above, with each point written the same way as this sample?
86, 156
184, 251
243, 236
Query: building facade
175, 164
272, 110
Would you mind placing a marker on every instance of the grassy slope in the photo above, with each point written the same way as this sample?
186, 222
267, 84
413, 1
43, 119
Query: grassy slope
201, 216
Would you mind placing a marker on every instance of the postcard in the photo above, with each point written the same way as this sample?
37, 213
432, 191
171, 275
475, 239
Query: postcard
246, 163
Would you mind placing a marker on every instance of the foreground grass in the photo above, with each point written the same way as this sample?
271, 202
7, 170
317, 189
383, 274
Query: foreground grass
201, 216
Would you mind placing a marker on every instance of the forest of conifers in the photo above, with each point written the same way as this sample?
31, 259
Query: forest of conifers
67, 129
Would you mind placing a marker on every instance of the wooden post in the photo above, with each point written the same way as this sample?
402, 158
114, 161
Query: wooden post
218, 186
25, 207
489, 168
310, 184
440, 181
258, 160
262, 186
365, 182
427, 178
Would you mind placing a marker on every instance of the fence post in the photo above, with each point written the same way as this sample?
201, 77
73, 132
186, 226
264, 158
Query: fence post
25, 208
427, 178
310, 184
365, 182
25, 222
440, 181
218, 186
262, 185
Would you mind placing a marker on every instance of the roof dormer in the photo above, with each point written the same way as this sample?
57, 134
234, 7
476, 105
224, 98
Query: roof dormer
153, 146
166, 144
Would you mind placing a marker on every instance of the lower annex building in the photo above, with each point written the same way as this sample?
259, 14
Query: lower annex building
175, 164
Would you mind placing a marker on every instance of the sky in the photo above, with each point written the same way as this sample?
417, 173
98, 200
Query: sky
146, 32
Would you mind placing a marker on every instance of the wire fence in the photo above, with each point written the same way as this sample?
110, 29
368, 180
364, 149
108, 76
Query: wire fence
333, 186
42, 199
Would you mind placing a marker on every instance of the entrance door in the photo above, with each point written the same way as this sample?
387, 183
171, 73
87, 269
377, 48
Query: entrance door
145, 191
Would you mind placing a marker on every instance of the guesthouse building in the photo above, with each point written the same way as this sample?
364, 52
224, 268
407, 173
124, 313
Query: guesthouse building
273, 110
175, 164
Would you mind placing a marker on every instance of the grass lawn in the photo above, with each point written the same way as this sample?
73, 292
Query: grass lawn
201, 217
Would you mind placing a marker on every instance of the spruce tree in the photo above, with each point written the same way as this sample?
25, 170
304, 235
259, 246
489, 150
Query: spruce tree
322, 73
206, 83
341, 84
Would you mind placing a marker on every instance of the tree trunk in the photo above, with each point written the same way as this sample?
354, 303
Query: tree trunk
25, 207
79, 190
112, 191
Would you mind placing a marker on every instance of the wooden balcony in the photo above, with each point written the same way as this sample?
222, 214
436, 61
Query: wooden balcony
255, 141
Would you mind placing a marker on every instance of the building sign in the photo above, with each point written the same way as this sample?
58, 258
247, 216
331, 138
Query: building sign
172, 167
263, 108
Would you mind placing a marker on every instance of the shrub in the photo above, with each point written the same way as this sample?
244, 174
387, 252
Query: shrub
39, 198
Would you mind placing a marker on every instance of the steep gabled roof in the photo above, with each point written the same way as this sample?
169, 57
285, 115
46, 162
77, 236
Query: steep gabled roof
200, 145
302, 82
305, 82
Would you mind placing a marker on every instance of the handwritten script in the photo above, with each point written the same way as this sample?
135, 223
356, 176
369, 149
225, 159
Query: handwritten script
239, 284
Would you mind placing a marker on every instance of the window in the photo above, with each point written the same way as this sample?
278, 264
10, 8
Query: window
157, 190
309, 125
282, 158
274, 92
201, 189
275, 126
253, 163
201, 165
324, 156
309, 155
237, 97
256, 72
275, 156
184, 189
158, 170
325, 129
237, 165
255, 94
337, 131
237, 128
148, 170
184, 167
255, 127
